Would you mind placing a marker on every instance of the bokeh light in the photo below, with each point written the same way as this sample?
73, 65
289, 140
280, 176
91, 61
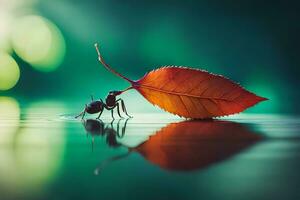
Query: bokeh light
39, 42
9, 119
34, 152
9, 71
9, 10
5, 21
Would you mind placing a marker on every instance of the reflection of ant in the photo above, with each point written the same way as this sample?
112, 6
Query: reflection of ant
98, 128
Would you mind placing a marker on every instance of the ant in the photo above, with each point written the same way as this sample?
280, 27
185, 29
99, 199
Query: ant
110, 103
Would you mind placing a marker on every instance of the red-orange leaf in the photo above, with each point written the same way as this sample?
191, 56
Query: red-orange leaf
194, 93
191, 93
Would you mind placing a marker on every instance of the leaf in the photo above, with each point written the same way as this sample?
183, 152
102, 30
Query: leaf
194, 93
192, 145
191, 93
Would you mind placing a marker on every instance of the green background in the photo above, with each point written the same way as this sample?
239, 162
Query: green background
47, 154
253, 43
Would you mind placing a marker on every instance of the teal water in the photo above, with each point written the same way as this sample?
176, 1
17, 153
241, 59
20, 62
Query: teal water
46, 154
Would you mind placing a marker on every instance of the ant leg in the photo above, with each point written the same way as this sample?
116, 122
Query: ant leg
100, 113
118, 109
111, 123
83, 115
124, 108
84, 111
92, 97
118, 128
112, 113
124, 127
80, 114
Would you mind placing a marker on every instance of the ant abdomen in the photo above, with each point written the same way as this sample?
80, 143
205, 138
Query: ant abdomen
94, 107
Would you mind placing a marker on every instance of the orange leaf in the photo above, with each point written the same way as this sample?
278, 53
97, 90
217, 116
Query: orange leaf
194, 93
191, 93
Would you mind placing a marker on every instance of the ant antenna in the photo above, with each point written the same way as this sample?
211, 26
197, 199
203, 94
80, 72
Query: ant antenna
101, 60
92, 97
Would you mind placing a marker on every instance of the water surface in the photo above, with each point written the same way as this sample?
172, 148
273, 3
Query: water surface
46, 154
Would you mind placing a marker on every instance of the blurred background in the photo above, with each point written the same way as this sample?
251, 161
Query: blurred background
47, 52
49, 69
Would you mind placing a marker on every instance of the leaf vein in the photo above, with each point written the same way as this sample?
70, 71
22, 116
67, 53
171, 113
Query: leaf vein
181, 94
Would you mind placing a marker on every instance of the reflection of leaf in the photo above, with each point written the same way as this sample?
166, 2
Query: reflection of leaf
192, 145
191, 93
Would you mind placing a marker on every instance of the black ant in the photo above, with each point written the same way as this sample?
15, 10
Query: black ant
110, 103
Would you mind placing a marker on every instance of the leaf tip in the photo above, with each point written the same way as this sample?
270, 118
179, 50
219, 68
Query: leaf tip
263, 99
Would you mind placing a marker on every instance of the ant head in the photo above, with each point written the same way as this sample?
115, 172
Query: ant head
115, 93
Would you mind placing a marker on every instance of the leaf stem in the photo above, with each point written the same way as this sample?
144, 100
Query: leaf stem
129, 88
101, 60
